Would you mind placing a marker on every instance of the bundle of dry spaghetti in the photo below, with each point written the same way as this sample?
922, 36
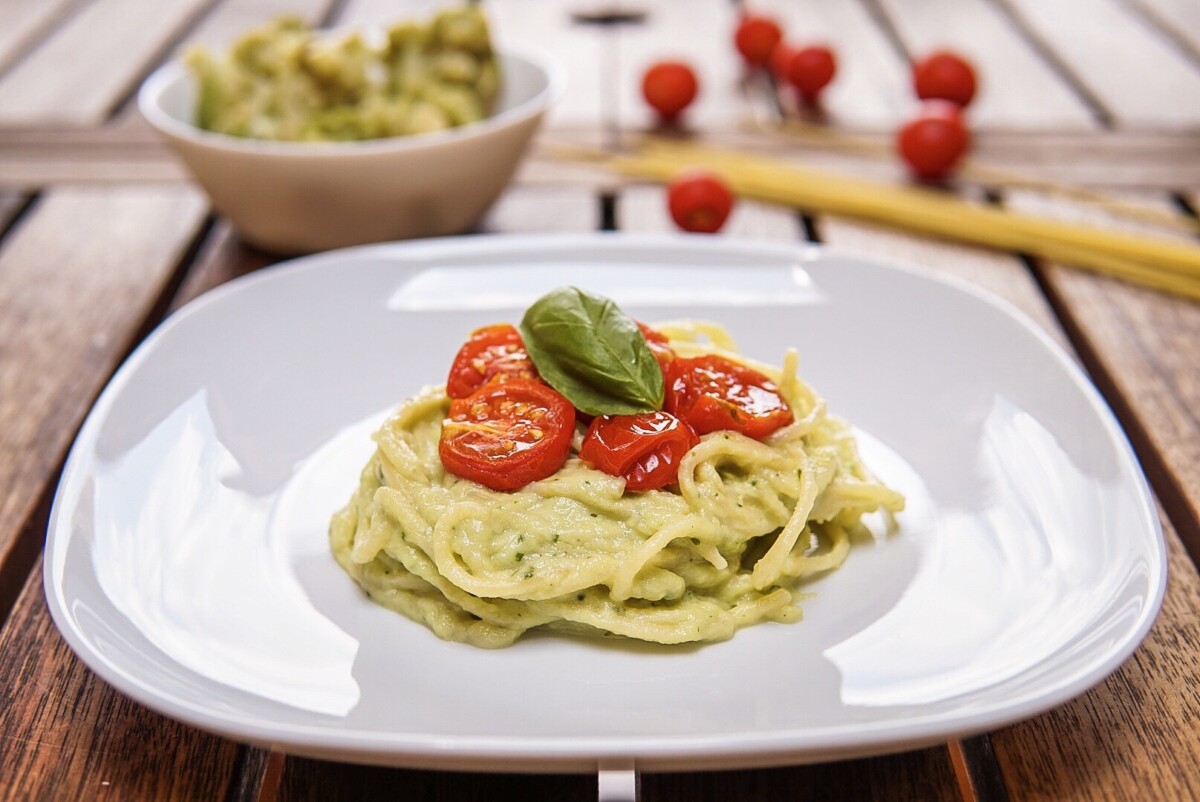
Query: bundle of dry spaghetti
1157, 262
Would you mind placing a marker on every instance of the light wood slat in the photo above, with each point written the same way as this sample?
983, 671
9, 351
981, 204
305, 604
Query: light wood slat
52, 271
232, 18
587, 103
871, 88
371, 13
79, 74
643, 209
1141, 77
1018, 90
699, 32
1133, 736
1180, 17
528, 210
22, 22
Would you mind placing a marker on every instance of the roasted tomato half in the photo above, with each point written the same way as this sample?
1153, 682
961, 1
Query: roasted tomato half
712, 393
493, 352
507, 434
663, 353
645, 448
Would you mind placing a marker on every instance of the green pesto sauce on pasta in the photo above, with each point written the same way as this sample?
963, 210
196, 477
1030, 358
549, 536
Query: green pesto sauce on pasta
728, 547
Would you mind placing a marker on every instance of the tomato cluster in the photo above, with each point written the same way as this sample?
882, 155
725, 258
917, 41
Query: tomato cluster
507, 427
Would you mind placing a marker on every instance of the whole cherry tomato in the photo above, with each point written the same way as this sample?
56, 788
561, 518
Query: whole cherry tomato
699, 201
933, 142
659, 346
944, 75
755, 38
670, 87
507, 434
492, 352
712, 393
645, 448
810, 69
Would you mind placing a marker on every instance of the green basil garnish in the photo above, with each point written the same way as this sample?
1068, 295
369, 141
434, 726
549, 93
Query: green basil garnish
585, 347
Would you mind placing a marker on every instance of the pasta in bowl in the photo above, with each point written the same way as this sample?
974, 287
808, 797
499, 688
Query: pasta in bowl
692, 505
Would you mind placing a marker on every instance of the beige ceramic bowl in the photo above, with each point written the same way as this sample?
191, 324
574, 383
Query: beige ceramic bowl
295, 197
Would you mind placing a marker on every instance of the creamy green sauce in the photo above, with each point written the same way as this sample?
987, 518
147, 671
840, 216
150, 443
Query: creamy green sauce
286, 81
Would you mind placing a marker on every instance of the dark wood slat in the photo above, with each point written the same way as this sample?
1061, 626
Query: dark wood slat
67, 735
1134, 735
51, 275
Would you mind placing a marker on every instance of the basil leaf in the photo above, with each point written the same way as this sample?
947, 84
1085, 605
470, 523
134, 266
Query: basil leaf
585, 347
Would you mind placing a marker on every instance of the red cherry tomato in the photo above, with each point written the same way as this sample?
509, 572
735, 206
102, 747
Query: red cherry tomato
699, 201
659, 346
670, 87
810, 69
507, 434
755, 38
645, 448
712, 393
493, 352
933, 142
781, 59
944, 75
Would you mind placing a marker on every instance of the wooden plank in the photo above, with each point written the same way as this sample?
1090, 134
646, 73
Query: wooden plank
51, 273
530, 210
700, 33
84, 69
1143, 346
1018, 90
871, 88
66, 734
1134, 735
10, 202
1179, 18
1142, 78
21, 23
232, 18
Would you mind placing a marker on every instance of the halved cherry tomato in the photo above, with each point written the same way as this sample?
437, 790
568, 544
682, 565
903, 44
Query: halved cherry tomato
712, 393
493, 352
659, 346
507, 434
645, 448
755, 38
943, 75
670, 87
933, 142
699, 201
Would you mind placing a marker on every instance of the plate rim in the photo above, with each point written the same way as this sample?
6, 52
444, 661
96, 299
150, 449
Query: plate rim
572, 753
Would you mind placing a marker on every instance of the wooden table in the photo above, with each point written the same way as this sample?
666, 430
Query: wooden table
102, 235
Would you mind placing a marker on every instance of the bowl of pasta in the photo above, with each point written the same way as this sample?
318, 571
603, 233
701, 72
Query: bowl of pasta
308, 140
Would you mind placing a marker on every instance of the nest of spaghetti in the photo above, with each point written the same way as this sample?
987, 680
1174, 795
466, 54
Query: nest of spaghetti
731, 543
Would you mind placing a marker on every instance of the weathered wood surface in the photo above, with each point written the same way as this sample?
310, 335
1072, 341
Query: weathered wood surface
100, 236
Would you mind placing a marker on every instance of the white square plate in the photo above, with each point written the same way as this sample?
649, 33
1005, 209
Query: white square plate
187, 560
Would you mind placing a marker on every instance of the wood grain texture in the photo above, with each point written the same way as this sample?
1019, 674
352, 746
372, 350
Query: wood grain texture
91, 62
1134, 735
1017, 88
51, 274
1179, 18
64, 734
1142, 348
22, 22
871, 88
528, 210
1140, 76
